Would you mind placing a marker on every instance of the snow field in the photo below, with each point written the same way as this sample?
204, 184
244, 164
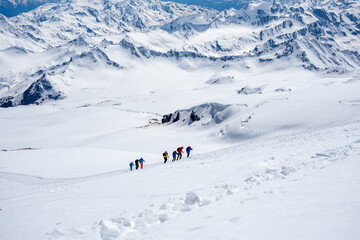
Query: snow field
205, 190
243, 200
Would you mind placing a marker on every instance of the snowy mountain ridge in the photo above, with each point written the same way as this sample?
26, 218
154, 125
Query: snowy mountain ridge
55, 24
314, 35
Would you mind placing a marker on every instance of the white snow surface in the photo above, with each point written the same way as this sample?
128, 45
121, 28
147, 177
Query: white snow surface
285, 162
275, 152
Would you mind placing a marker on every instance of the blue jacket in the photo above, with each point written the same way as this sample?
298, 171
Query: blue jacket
174, 154
188, 149
131, 164
141, 160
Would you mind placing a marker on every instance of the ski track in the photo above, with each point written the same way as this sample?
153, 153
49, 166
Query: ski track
121, 227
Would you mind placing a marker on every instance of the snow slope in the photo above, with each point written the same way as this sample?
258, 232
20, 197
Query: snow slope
294, 158
307, 188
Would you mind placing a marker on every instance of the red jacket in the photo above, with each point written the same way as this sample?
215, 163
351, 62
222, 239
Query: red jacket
180, 150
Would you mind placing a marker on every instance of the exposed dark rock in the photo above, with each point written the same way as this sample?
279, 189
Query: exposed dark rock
321, 14
315, 29
203, 114
6, 102
39, 91
265, 60
352, 17
128, 45
177, 118
166, 118
194, 117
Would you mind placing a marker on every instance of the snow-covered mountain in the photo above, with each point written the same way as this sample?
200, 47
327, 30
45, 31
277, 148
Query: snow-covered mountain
53, 24
318, 36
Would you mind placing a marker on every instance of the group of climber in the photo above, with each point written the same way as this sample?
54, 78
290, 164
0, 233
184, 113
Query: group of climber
177, 154
137, 161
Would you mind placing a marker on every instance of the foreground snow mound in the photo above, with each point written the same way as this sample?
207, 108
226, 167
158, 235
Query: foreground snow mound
124, 228
204, 114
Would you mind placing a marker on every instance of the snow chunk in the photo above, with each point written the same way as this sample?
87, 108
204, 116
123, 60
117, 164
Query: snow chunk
108, 230
285, 170
163, 217
192, 198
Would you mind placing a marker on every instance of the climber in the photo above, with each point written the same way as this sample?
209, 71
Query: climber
136, 164
174, 155
142, 162
179, 152
165, 155
188, 149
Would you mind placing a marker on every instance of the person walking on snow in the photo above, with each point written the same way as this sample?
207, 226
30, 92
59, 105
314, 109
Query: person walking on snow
136, 164
165, 155
179, 152
142, 162
174, 155
188, 149
131, 166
